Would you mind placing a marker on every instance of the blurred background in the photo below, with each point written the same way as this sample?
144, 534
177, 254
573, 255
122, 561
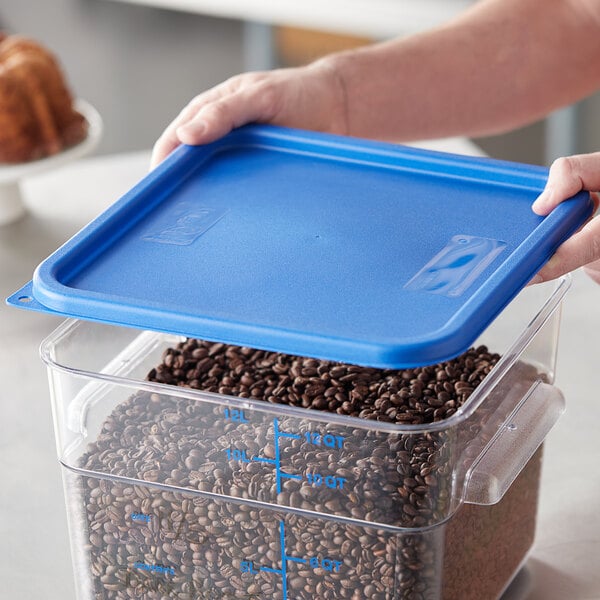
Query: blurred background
138, 62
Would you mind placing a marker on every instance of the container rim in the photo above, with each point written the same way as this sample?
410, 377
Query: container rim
464, 412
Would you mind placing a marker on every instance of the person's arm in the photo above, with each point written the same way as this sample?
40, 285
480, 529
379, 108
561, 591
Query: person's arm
501, 64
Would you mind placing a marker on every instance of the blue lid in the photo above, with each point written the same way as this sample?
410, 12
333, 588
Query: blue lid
312, 244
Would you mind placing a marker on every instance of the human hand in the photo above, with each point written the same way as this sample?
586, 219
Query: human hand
309, 97
567, 176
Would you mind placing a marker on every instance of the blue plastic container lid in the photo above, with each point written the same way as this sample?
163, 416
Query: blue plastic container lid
314, 245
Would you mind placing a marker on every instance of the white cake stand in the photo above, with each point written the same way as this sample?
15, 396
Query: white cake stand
11, 200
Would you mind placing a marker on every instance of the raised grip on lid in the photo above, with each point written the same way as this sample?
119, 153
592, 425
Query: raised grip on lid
514, 444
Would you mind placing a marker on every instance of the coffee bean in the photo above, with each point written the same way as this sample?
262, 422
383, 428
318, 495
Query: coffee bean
401, 479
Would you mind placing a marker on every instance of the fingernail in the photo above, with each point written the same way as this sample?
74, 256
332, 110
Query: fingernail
539, 203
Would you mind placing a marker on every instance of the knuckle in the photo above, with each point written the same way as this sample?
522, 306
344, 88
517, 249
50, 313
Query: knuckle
241, 80
267, 95
192, 104
564, 166
233, 83
568, 169
219, 110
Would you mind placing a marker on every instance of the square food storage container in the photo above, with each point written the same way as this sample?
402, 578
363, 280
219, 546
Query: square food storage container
326, 248
178, 493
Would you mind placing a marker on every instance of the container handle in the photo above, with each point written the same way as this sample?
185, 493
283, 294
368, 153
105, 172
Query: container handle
514, 444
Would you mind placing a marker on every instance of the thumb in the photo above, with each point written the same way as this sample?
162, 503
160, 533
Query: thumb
582, 248
567, 176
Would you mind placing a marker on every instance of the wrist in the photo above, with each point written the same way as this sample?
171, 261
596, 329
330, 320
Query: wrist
331, 71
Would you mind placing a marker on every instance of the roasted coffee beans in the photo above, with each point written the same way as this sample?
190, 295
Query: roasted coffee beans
191, 497
412, 396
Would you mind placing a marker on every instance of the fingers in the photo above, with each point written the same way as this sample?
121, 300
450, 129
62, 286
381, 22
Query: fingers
214, 113
168, 141
309, 97
582, 248
567, 176
217, 118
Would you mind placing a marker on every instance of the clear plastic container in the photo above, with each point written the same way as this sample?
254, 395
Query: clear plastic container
178, 493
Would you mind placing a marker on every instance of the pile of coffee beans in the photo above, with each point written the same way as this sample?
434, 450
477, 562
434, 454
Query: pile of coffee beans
216, 530
411, 396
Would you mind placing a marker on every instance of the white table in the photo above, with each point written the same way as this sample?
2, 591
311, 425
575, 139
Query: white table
35, 563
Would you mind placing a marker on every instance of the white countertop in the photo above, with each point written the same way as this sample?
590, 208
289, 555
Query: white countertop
564, 564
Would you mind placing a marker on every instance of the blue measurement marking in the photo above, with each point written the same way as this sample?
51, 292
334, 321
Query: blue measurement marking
284, 559
279, 474
315, 562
